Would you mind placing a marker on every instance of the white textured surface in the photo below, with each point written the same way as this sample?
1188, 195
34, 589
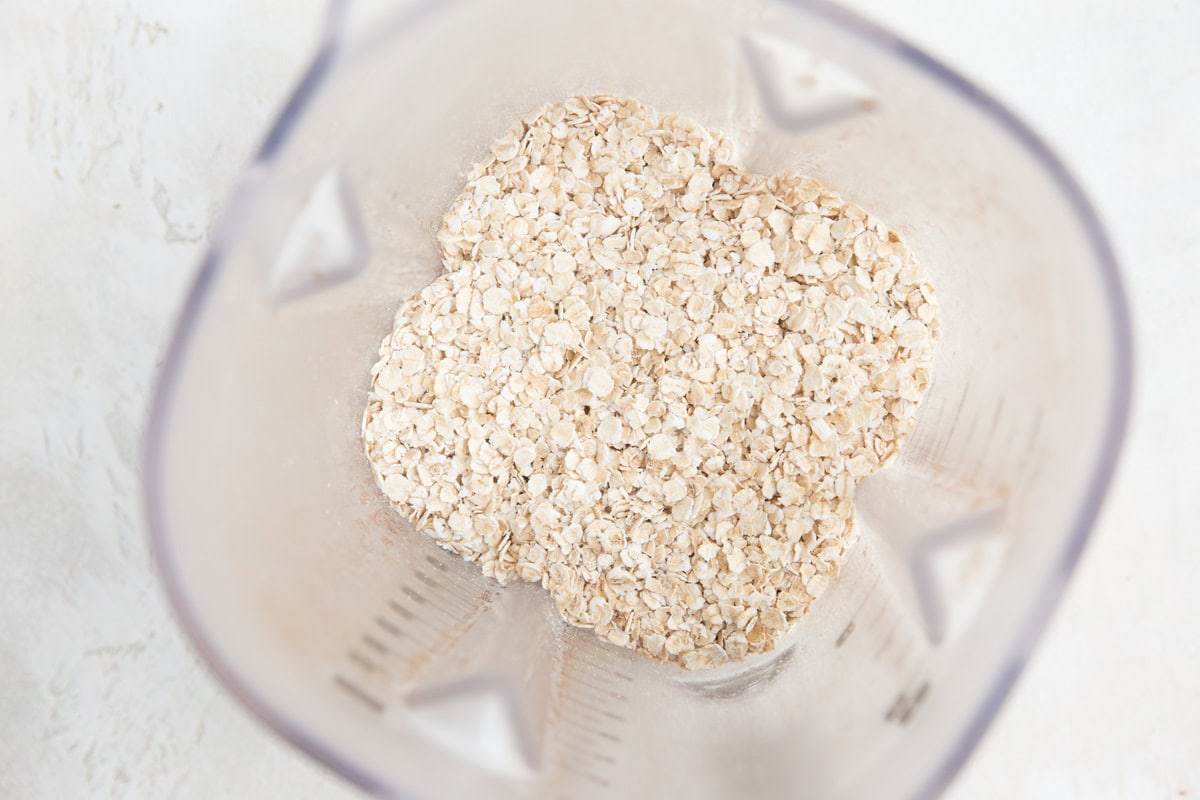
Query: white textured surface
124, 126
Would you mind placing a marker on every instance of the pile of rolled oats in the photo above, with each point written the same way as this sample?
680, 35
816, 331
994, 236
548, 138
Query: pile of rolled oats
649, 380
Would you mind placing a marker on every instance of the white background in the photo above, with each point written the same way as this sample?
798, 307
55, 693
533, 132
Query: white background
122, 128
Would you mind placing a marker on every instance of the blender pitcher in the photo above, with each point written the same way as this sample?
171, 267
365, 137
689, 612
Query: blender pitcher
401, 667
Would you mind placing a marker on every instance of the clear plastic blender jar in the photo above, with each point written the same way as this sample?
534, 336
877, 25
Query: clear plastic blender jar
403, 669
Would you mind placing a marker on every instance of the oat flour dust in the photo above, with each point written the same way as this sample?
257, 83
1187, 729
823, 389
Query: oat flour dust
650, 380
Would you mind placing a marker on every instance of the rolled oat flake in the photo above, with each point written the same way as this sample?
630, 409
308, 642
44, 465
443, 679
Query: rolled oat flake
650, 380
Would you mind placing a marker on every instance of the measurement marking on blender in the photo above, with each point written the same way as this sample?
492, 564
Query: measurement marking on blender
583, 773
359, 694
465, 597
401, 610
376, 645
598, 732
904, 706
404, 644
592, 754
390, 627
918, 698
452, 608
601, 690
583, 759
444, 586
410, 615
572, 742
594, 716
587, 729
437, 563
411, 634
596, 709
593, 665
362, 661
414, 595
424, 600
585, 724
583, 738
599, 671
586, 759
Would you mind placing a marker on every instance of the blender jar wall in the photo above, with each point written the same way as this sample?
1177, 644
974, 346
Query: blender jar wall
362, 642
